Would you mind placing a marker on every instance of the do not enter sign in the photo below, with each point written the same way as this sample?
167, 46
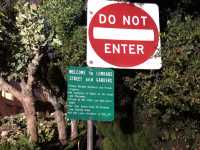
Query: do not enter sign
123, 35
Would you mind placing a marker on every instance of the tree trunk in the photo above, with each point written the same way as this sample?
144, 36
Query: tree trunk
60, 119
46, 94
74, 132
27, 100
30, 113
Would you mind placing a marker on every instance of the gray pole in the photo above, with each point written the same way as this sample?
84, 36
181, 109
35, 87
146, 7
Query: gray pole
89, 135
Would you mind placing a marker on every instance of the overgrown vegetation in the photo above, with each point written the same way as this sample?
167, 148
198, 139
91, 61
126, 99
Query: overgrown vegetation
154, 109
66, 19
165, 103
175, 88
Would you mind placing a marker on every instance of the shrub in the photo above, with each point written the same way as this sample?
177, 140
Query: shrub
174, 90
64, 18
22, 144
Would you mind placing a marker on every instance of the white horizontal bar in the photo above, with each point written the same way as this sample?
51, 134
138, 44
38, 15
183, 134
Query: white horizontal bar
123, 34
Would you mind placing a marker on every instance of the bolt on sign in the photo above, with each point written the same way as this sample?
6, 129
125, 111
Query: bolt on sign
90, 94
123, 35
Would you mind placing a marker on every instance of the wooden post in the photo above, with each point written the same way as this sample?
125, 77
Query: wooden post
89, 135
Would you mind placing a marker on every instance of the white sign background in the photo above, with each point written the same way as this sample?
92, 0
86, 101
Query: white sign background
93, 60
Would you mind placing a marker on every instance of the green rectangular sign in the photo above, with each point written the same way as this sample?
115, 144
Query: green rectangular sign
90, 94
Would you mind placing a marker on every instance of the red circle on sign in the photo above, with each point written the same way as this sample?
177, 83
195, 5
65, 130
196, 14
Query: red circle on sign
125, 52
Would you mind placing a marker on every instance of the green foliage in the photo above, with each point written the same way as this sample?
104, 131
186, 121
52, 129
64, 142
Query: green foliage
3, 35
115, 139
63, 15
174, 90
31, 28
8, 40
170, 96
64, 18
76, 48
47, 132
22, 32
22, 144
2, 27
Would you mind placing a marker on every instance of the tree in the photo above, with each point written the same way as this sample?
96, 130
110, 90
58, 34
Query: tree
37, 56
66, 19
26, 69
26, 62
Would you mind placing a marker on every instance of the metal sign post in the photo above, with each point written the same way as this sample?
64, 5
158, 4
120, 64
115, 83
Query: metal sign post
90, 96
89, 135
